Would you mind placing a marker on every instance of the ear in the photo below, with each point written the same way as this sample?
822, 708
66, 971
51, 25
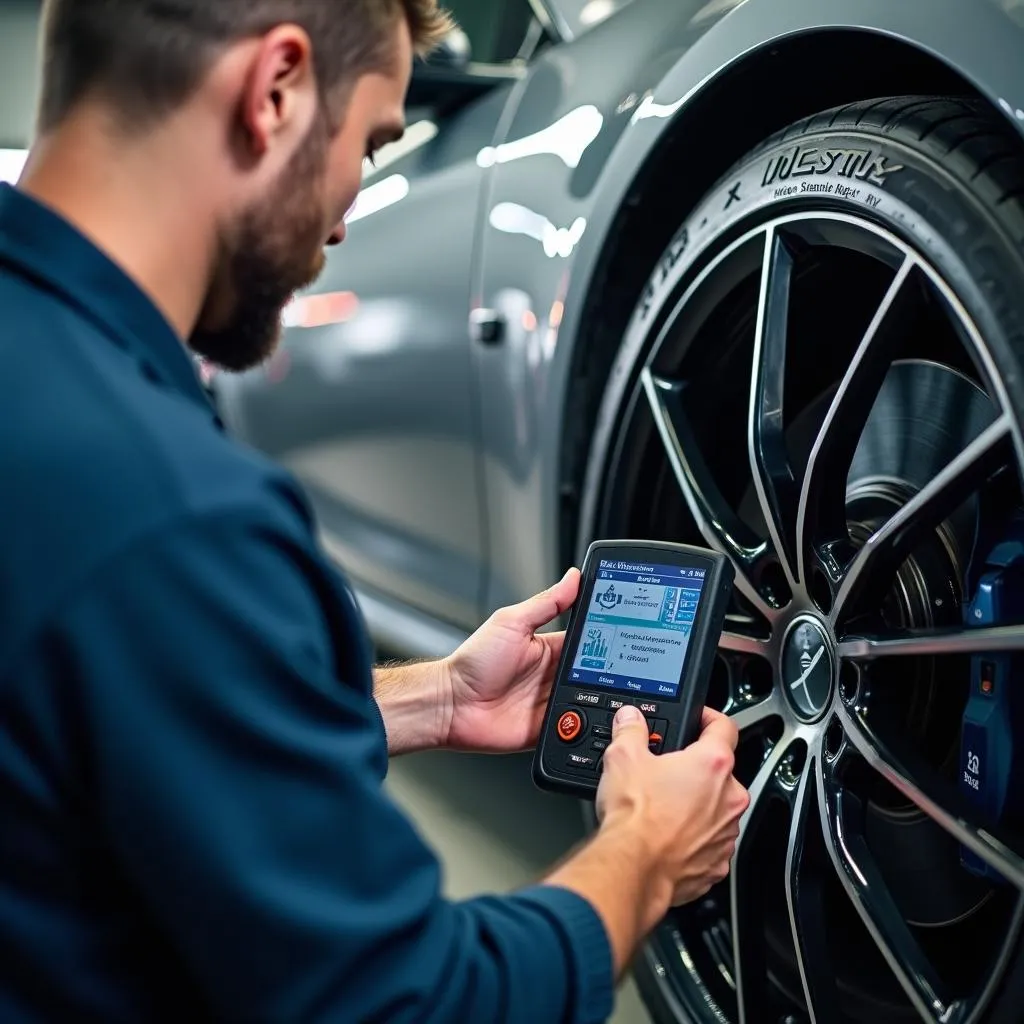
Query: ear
280, 94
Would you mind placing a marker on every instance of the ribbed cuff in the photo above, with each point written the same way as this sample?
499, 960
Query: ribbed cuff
386, 762
589, 951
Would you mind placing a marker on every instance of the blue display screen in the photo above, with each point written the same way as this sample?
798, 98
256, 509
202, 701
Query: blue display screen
637, 627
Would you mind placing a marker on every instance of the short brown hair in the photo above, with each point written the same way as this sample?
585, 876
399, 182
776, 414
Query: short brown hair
146, 57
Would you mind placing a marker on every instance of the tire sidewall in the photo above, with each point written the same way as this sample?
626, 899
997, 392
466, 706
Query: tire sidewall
883, 181
929, 205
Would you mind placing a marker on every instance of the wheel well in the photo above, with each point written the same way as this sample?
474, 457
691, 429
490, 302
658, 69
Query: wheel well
769, 90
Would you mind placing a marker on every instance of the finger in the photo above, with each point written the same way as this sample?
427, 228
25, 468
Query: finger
739, 799
689, 892
630, 726
540, 609
709, 715
715, 725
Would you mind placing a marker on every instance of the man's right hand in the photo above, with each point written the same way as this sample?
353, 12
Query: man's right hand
684, 806
668, 827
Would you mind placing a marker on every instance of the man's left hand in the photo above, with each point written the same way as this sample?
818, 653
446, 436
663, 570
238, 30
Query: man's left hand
501, 676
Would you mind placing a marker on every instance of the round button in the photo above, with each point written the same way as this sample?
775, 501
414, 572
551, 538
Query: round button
570, 725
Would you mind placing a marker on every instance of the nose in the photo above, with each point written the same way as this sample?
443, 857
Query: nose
337, 236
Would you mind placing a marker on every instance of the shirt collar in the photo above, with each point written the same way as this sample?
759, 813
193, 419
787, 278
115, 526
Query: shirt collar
40, 244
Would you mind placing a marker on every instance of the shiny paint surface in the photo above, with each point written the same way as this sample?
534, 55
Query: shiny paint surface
434, 458
676, 50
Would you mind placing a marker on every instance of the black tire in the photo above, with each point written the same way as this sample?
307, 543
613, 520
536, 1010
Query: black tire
946, 178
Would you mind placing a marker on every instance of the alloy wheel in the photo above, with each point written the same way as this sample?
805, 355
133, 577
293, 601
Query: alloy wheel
851, 462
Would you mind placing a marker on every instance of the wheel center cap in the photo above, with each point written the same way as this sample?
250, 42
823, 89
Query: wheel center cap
808, 668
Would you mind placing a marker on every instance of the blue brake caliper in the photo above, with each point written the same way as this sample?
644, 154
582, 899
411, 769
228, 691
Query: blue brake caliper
991, 772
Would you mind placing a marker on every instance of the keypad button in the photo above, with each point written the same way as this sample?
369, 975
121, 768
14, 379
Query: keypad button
594, 700
649, 708
599, 745
614, 703
601, 732
570, 725
581, 762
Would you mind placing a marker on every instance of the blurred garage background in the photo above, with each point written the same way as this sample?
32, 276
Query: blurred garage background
492, 828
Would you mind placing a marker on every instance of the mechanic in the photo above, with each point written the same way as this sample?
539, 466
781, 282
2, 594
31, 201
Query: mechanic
192, 739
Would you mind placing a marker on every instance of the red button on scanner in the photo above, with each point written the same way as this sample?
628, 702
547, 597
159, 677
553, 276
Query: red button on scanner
569, 726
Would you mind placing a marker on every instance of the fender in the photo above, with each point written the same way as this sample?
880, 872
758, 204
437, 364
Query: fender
987, 57
611, 99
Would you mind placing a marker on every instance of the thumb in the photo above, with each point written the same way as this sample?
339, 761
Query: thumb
541, 609
630, 726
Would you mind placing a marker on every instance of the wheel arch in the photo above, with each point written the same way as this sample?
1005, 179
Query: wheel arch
689, 152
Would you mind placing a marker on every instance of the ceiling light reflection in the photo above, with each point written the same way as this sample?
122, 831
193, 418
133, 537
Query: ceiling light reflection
1018, 113
378, 196
416, 135
514, 219
12, 161
713, 9
568, 139
596, 11
648, 108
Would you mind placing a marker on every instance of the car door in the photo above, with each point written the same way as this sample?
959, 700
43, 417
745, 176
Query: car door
371, 396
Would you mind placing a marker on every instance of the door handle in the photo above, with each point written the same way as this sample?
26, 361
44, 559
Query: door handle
487, 326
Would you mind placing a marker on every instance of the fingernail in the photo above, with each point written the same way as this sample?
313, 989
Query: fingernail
626, 714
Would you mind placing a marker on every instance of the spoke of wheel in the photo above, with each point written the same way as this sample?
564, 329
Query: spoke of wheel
997, 855
769, 461
748, 715
867, 890
740, 644
720, 528
934, 642
821, 518
746, 894
884, 551
805, 900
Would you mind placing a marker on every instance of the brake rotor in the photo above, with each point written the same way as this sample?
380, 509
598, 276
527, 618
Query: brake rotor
925, 414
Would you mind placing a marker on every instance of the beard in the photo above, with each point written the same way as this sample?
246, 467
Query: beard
273, 250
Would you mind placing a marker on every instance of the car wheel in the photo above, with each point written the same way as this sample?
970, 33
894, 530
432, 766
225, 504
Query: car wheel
823, 380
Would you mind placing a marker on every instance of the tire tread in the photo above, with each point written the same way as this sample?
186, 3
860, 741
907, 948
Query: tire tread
964, 136
961, 133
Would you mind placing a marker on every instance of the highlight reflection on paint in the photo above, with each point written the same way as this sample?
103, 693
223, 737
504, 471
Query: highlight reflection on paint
567, 139
516, 219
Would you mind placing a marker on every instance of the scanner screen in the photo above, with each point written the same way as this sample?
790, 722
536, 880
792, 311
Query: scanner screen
637, 627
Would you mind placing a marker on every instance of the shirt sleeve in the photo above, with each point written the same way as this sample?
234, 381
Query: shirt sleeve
233, 776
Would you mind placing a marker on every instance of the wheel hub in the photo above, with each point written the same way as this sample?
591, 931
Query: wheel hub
807, 667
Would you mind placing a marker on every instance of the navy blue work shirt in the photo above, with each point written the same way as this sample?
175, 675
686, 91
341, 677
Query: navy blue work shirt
192, 818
